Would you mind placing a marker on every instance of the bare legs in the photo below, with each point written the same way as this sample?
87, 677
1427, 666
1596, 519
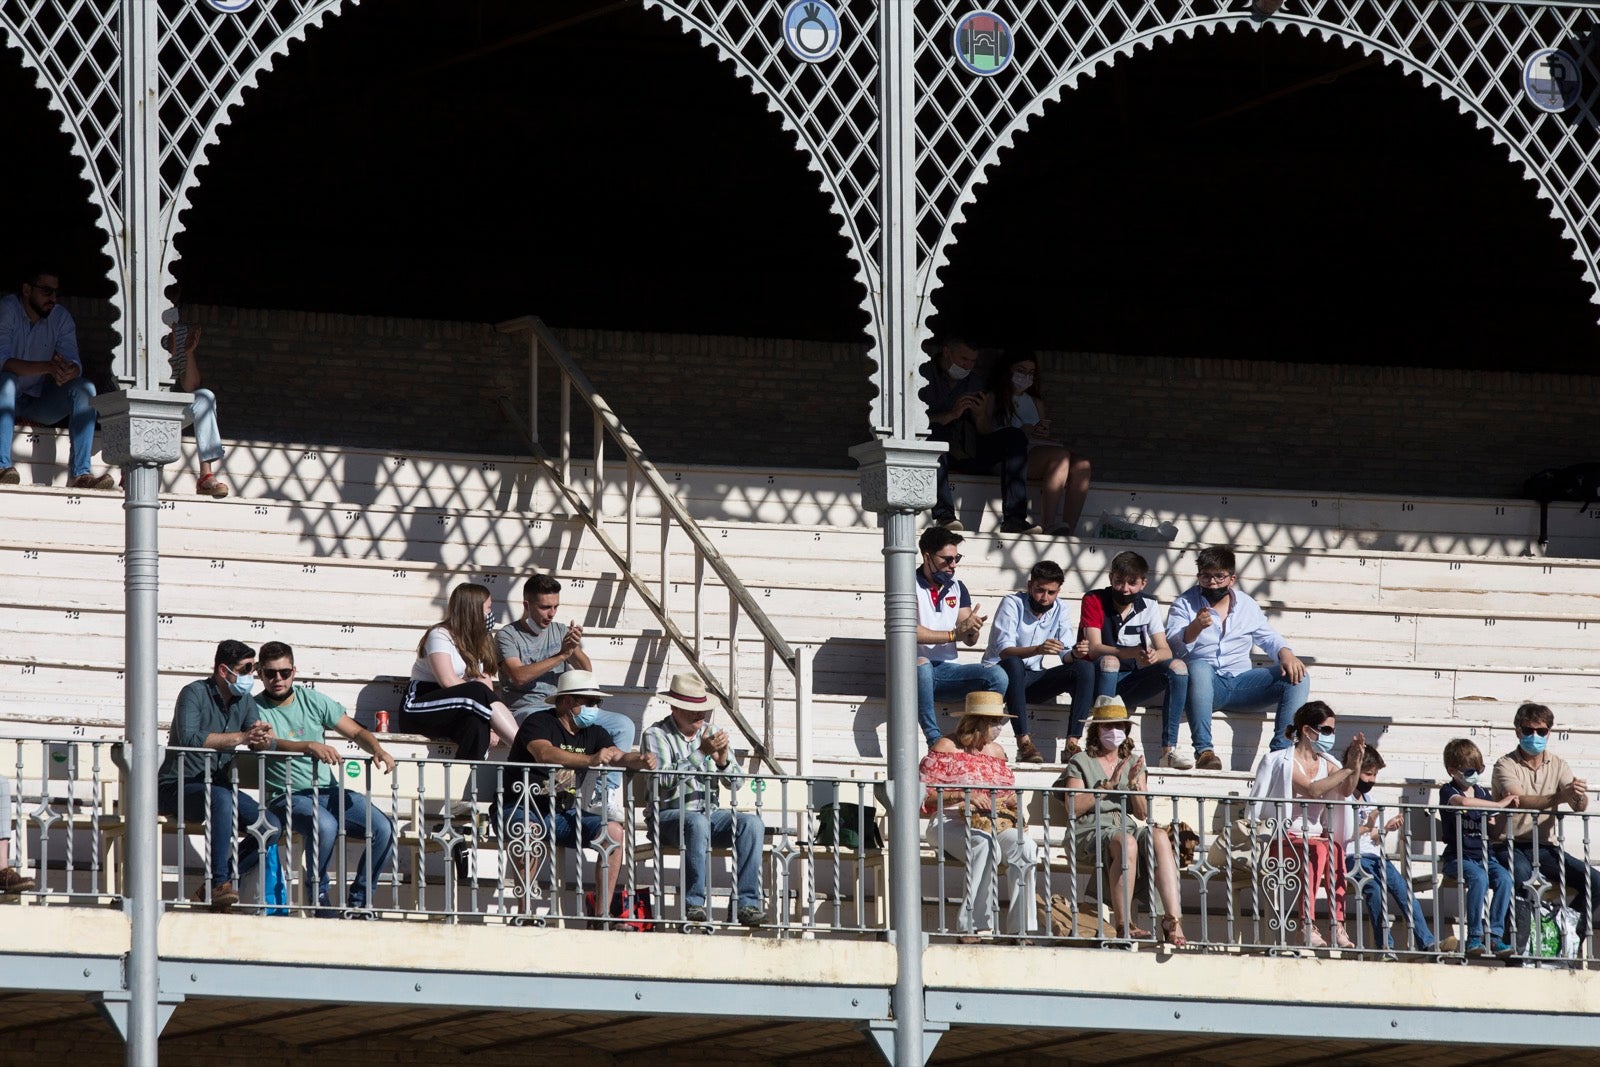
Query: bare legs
1064, 485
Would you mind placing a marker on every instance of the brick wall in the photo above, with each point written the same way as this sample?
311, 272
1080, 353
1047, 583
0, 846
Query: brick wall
396, 383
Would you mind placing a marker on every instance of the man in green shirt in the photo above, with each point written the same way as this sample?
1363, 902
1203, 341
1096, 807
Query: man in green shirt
303, 791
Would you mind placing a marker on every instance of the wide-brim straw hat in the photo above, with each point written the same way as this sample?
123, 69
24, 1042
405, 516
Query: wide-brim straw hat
688, 691
577, 683
1107, 710
986, 705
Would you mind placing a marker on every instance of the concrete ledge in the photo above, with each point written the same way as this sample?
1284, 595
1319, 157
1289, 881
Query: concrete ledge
442, 948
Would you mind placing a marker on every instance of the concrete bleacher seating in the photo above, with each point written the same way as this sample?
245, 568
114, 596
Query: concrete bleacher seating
1423, 619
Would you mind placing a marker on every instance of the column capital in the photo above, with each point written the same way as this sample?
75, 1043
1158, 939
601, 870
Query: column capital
898, 474
141, 426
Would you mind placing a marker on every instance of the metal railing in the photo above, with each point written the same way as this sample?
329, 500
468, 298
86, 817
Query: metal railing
514, 843
776, 650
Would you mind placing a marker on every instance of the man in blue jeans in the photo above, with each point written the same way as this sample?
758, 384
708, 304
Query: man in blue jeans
305, 792
41, 376
217, 714
946, 614
1032, 643
692, 757
1213, 628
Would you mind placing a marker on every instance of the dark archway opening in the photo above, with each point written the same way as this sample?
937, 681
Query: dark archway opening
580, 160
1266, 196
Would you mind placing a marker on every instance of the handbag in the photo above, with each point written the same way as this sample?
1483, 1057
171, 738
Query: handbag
852, 826
634, 907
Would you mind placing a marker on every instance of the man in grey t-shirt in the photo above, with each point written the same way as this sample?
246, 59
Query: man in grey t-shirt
535, 651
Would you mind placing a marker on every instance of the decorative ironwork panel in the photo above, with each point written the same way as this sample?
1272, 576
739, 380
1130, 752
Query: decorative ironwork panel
208, 59
1472, 53
75, 47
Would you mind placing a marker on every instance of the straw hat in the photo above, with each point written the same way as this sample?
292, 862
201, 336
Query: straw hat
578, 684
1108, 710
986, 705
688, 691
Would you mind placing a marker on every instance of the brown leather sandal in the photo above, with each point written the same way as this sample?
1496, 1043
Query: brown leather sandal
1172, 932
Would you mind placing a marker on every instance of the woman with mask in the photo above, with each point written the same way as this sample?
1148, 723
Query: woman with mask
450, 697
1290, 794
1018, 401
971, 804
1110, 832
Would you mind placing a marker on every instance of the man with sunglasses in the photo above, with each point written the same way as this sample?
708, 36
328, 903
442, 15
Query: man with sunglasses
1213, 628
946, 614
217, 714
1542, 781
567, 736
685, 813
305, 792
41, 376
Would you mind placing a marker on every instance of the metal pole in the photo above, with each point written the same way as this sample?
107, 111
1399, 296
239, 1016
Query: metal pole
905, 788
143, 887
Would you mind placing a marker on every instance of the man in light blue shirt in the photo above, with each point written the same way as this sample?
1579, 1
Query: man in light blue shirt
1032, 642
41, 376
1213, 628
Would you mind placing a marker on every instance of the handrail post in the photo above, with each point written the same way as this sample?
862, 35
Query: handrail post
803, 656
699, 593
597, 484
566, 429
631, 509
733, 649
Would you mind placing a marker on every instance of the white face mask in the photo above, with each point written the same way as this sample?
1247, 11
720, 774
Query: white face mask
1021, 382
957, 371
1111, 737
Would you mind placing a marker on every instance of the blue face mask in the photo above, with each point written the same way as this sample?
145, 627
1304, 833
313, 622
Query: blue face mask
1469, 778
242, 685
1323, 743
1533, 744
587, 717
488, 621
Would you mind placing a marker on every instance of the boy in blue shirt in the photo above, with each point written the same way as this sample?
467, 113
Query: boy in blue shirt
1364, 859
1465, 857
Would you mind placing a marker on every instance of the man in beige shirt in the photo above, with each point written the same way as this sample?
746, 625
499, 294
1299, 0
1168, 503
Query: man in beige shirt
1544, 782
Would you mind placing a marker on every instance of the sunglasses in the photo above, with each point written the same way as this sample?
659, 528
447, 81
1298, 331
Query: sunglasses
1325, 731
244, 670
1529, 731
590, 702
280, 672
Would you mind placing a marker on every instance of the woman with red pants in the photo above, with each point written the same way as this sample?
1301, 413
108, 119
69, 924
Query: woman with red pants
1290, 791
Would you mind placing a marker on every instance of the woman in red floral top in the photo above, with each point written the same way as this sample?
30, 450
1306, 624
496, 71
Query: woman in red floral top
971, 801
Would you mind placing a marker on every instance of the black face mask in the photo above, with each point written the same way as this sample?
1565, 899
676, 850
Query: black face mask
1213, 595
1122, 600
1038, 608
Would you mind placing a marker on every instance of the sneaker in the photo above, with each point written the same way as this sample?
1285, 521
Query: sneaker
1026, 753
696, 913
953, 525
1475, 948
750, 916
9, 476
1020, 526
14, 881
1179, 760
223, 896
1502, 950
1206, 760
616, 811
1069, 748
103, 482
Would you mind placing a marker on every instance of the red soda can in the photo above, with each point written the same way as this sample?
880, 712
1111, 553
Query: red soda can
383, 722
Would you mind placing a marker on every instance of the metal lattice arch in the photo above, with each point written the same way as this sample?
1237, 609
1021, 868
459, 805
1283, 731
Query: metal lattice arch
1483, 87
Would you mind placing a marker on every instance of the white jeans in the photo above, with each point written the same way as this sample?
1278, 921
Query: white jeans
977, 850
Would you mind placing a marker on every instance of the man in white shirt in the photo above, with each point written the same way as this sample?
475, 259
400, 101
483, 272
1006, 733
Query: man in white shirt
41, 376
1032, 643
1213, 628
945, 614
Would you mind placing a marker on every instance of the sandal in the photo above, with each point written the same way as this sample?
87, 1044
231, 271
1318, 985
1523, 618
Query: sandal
1135, 933
1172, 932
211, 486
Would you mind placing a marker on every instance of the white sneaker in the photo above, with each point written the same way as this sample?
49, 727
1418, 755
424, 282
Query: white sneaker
1179, 759
615, 810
